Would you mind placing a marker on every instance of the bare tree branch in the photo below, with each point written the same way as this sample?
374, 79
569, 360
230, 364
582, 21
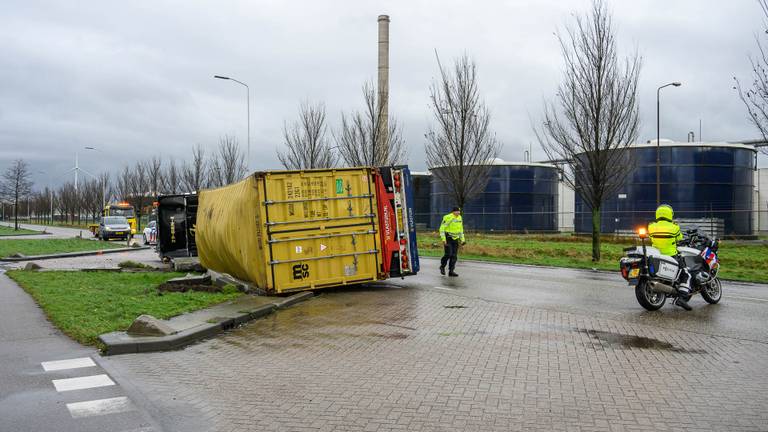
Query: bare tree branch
460, 142
305, 140
755, 96
194, 173
16, 184
228, 164
358, 139
594, 119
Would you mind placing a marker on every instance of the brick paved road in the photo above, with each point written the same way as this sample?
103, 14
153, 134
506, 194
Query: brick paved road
433, 360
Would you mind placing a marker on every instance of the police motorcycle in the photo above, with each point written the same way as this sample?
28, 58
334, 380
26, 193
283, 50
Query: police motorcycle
655, 276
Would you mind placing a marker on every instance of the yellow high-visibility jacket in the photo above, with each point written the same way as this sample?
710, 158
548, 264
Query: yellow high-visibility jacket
452, 226
664, 236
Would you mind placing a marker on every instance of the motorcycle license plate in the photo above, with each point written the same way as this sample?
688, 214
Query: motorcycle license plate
634, 273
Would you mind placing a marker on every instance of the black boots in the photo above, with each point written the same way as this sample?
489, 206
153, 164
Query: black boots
451, 273
680, 301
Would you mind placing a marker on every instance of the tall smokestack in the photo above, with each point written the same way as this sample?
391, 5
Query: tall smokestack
384, 82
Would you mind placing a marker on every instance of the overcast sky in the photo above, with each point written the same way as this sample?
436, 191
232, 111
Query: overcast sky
134, 79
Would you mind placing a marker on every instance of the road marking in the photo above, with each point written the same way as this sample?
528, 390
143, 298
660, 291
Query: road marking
445, 288
80, 383
100, 407
67, 364
747, 298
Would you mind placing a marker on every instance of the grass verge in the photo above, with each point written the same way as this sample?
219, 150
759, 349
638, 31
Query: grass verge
9, 231
33, 247
742, 262
85, 305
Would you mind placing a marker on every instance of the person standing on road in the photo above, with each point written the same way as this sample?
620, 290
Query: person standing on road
452, 234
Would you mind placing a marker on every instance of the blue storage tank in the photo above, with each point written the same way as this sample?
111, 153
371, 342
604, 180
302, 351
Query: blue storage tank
518, 197
422, 188
711, 181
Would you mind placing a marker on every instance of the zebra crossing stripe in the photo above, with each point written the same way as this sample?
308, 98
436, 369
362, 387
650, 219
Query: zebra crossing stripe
100, 407
67, 364
81, 383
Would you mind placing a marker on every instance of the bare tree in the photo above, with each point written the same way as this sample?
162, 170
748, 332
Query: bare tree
67, 202
461, 142
91, 193
16, 184
171, 178
124, 183
306, 141
594, 118
228, 164
194, 173
359, 141
104, 181
755, 97
154, 168
139, 186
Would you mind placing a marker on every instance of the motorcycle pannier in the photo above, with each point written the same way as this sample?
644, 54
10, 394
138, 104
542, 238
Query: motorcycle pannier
664, 267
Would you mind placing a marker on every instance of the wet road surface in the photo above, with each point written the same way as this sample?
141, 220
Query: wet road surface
500, 348
50, 383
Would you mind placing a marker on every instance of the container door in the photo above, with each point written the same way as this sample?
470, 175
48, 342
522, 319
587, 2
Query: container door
321, 228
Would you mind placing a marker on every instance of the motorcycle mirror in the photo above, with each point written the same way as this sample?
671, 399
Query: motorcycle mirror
642, 233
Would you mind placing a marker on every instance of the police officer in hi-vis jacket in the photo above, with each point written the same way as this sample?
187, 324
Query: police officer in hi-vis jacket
452, 234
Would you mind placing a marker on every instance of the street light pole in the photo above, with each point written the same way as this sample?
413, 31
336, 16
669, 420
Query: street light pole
248, 116
658, 141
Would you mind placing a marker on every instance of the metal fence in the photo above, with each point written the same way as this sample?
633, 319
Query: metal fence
624, 222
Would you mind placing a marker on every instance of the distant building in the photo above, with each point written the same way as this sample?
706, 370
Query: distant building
519, 197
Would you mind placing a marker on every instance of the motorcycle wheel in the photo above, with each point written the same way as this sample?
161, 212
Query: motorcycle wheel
649, 299
712, 292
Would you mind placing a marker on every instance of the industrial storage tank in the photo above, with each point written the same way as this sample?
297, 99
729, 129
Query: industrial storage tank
519, 197
708, 184
422, 188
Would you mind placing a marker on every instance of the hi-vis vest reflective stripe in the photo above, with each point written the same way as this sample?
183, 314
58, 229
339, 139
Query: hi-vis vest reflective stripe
664, 236
453, 226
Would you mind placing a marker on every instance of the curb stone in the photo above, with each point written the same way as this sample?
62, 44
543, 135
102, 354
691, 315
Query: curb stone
120, 343
72, 254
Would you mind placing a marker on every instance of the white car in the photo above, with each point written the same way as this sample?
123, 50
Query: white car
150, 233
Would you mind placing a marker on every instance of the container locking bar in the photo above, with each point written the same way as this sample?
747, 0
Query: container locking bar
354, 254
362, 216
316, 199
323, 236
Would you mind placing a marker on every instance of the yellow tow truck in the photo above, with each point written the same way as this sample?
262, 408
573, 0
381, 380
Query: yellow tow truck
118, 209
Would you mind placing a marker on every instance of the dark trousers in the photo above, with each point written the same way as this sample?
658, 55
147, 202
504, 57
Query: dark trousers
451, 253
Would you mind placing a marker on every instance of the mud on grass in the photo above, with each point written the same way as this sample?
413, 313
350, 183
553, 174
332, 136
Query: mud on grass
739, 262
86, 305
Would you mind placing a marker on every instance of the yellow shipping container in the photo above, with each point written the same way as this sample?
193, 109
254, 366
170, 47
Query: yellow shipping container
292, 230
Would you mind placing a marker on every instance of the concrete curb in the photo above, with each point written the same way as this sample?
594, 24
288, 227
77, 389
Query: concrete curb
72, 254
121, 343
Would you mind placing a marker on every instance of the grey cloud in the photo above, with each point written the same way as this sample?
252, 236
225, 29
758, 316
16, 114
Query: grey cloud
135, 78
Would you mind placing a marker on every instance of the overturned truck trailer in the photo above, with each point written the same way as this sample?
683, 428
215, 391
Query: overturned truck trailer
288, 231
176, 221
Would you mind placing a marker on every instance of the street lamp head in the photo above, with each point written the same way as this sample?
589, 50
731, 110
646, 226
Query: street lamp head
90, 148
221, 77
677, 84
